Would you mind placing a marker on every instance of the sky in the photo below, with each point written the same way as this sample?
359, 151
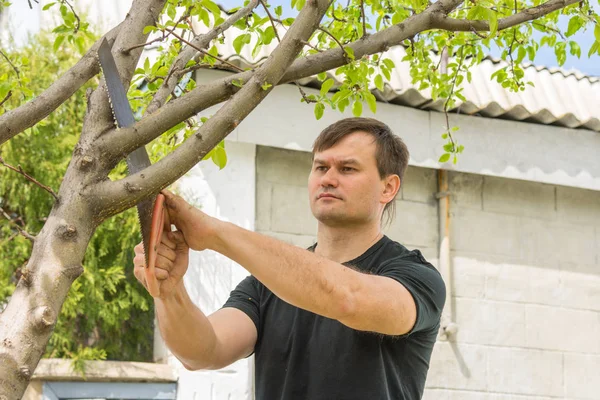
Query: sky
29, 20
545, 57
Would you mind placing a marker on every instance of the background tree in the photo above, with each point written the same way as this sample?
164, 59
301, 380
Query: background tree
106, 313
325, 36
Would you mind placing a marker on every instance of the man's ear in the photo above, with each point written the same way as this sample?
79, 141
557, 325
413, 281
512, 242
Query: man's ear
391, 186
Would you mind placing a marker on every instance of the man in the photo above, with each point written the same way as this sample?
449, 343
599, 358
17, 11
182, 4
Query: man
354, 317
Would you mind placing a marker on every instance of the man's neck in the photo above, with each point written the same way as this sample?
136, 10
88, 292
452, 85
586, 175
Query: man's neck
345, 244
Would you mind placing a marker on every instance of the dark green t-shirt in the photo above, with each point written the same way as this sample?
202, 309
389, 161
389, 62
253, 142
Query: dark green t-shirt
301, 355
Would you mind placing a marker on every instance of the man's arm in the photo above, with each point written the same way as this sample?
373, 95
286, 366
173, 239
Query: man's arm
314, 283
202, 342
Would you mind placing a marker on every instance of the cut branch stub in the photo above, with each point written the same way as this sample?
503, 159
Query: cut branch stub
67, 232
44, 317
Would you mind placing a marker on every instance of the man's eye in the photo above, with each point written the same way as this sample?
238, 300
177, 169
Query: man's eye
347, 169
321, 168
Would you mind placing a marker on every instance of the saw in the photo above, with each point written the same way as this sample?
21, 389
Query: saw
151, 212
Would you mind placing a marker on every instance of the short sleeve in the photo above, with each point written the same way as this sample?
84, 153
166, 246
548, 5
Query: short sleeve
424, 283
246, 298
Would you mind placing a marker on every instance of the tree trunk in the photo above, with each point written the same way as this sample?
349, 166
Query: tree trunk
29, 318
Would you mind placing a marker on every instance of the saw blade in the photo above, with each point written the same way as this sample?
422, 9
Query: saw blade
138, 159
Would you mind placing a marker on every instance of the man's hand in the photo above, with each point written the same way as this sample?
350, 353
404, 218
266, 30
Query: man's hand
199, 229
171, 263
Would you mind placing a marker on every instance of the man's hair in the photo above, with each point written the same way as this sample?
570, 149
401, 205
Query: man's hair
391, 153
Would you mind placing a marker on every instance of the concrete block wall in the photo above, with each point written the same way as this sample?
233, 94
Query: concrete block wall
526, 285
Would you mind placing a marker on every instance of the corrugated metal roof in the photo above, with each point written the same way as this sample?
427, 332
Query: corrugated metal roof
558, 97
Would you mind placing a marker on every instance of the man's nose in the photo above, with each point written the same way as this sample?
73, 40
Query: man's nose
330, 178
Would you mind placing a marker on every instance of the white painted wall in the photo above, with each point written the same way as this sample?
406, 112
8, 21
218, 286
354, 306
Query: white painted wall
526, 266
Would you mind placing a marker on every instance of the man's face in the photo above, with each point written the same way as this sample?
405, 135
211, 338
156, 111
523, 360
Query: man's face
344, 184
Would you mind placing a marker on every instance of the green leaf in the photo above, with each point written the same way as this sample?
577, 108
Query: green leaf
326, 86
444, 158
219, 157
597, 32
574, 49
594, 48
203, 14
171, 11
266, 86
148, 29
57, 42
278, 11
322, 76
214, 9
387, 74
371, 101
575, 23
560, 52
492, 18
357, 108
319, 109
379, 82
240, 41
388, 63
350, 52
47, 6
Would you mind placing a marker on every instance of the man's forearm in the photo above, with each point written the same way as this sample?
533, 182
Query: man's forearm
186, 330
295, 275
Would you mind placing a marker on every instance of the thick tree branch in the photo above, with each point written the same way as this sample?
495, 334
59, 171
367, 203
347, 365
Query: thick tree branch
123, 194
99, 118
16, 121
30, 178
442, 21
199, 42
115, 145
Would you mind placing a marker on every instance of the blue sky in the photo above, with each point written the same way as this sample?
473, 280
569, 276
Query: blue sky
545, 57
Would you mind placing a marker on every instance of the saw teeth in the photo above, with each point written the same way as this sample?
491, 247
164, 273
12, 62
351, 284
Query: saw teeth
112, 109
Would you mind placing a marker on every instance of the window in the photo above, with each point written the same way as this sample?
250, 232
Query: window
108, 390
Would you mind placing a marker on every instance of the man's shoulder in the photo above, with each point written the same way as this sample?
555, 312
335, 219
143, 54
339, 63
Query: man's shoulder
398, 255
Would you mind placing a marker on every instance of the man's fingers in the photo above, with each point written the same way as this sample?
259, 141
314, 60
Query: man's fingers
139, 260
161, 274
178, 240
168, 241
139, 274
139, 248
166, 252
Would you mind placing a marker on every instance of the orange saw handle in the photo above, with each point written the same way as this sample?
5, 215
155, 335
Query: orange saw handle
160, 222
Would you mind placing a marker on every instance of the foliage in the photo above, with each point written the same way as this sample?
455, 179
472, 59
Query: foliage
107, 313
350, 21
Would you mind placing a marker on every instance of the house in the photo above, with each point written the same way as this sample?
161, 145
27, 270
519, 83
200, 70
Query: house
522, 241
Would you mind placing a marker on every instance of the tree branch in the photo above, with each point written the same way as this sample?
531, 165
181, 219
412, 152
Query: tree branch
16, 121
271, 19
11, 64
128, 191
5, 99
200, 41
119, 143
442, 21
200, 50
22, 231
364, 18
19, 170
